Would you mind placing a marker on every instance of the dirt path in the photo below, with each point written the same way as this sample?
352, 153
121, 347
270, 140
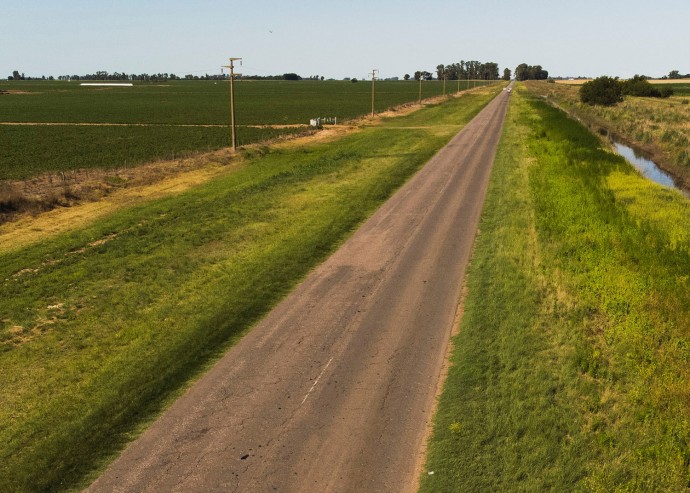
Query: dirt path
77, 124
333, 390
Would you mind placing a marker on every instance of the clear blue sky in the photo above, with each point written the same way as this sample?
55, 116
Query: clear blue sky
343, 38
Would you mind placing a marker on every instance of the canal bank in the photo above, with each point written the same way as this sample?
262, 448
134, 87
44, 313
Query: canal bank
645, 165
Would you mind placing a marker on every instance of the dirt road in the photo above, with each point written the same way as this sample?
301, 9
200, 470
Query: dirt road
334, 389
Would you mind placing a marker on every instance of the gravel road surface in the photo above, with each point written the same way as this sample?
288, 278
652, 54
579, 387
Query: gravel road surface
334, 389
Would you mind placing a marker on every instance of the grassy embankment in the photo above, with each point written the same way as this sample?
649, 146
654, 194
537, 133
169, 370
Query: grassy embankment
659, 126
571, 365
103, 326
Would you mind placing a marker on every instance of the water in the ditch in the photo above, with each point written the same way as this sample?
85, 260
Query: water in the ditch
648, 168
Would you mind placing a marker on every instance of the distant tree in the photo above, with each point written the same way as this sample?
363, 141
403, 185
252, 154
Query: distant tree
354, 79
675, 74
506, 74
407, 77
639, 86
465, 70
488, 71
530, 72
522, 71
603, 91
291, 76
539, 73
15, 75
452, 71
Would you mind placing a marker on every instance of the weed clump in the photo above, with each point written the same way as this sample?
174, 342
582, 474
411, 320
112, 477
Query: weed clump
639, 86
607, 91
603, 91
11, 199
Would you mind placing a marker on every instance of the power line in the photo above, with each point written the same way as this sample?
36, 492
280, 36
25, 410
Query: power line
373, 78
232, 98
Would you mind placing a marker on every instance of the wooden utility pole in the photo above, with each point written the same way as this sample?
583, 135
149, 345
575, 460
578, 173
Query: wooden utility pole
232, 99
373, 78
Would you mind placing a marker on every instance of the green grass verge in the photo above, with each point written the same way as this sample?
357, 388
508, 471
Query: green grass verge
102, 326
570, 369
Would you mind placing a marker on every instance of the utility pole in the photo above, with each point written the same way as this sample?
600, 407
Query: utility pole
232, 98
373, 78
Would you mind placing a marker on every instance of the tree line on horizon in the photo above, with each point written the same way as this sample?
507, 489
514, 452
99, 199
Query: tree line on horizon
675, 74
119, 76
530, 72
159, 77
463, 70
471, 69
474, 70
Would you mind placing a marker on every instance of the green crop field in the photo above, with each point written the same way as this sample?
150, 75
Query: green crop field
207, 102
680, 88
29, 150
